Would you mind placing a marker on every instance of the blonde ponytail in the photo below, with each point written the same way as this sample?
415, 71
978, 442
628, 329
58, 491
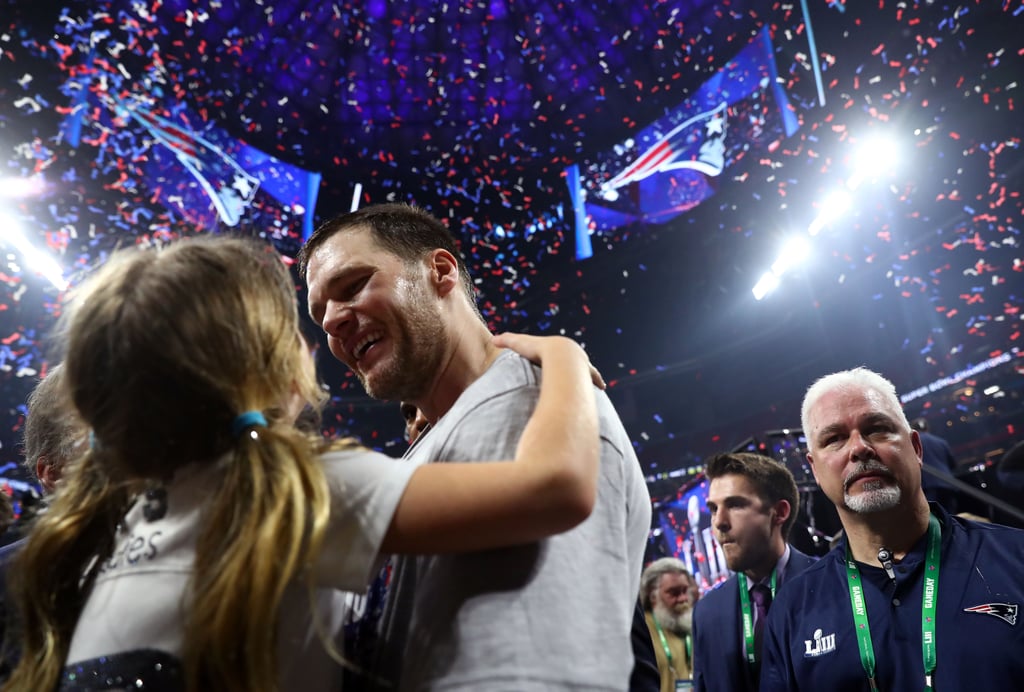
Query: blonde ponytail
262, 529
53, 572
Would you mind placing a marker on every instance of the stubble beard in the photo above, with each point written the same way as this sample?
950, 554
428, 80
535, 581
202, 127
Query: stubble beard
419, 346
748, 556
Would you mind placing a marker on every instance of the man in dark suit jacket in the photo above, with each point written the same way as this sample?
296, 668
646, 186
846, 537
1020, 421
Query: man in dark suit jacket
753, 502
645, 676
937, 455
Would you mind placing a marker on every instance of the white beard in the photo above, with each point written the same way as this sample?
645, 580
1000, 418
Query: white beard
677, 623
877, 495
873, 499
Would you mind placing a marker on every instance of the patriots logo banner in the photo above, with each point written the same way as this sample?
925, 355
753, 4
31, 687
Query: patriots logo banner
666, 154
194, 167
1006, 612
226, 169
229, 187
675, 163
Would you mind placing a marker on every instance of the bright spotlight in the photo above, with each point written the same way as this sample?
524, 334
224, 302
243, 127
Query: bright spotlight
17, 187
836, 204
793, 253
765, 285
36, 259
876, 156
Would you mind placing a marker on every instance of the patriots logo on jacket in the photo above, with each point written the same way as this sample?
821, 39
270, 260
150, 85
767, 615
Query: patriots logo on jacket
1004, 611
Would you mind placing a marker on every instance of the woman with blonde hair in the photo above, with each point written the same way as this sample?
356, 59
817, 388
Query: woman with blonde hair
203, 540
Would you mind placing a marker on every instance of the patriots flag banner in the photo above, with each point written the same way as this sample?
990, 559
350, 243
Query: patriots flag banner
228, 171
195, 168
675, 163
227, 185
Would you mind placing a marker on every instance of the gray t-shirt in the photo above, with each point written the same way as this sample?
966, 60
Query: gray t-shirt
555, 614
138, 601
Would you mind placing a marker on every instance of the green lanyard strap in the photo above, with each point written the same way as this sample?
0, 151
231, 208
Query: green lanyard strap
929, 598
748, 617
668, 652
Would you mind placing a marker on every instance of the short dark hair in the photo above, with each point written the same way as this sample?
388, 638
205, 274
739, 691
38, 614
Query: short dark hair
409, 411
405, 231
53, 428
771, 480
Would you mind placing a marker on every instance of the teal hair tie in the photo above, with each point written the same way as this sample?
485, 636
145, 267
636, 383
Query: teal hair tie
249, 419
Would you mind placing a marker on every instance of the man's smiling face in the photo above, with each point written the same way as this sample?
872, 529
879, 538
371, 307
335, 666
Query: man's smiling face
379, 312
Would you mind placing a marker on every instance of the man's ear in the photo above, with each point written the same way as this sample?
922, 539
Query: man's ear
782, 511
47, 473
915, 440
814, 471
444, 271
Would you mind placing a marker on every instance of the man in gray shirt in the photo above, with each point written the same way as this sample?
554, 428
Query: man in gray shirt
391, 291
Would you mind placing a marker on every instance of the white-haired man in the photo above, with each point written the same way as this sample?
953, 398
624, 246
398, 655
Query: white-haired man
668, 592
912, 597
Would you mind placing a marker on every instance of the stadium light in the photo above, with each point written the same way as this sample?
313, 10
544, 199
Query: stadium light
39, 261
14, 187
875, 156
765, 285
836, 204
793, 253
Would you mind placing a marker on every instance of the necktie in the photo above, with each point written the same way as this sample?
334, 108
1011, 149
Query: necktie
762, 598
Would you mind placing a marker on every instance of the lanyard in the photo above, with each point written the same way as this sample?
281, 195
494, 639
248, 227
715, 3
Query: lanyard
668, 651
929, 598
748, 617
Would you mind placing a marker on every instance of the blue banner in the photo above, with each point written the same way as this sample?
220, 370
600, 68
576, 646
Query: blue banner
195, 168
675, 163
